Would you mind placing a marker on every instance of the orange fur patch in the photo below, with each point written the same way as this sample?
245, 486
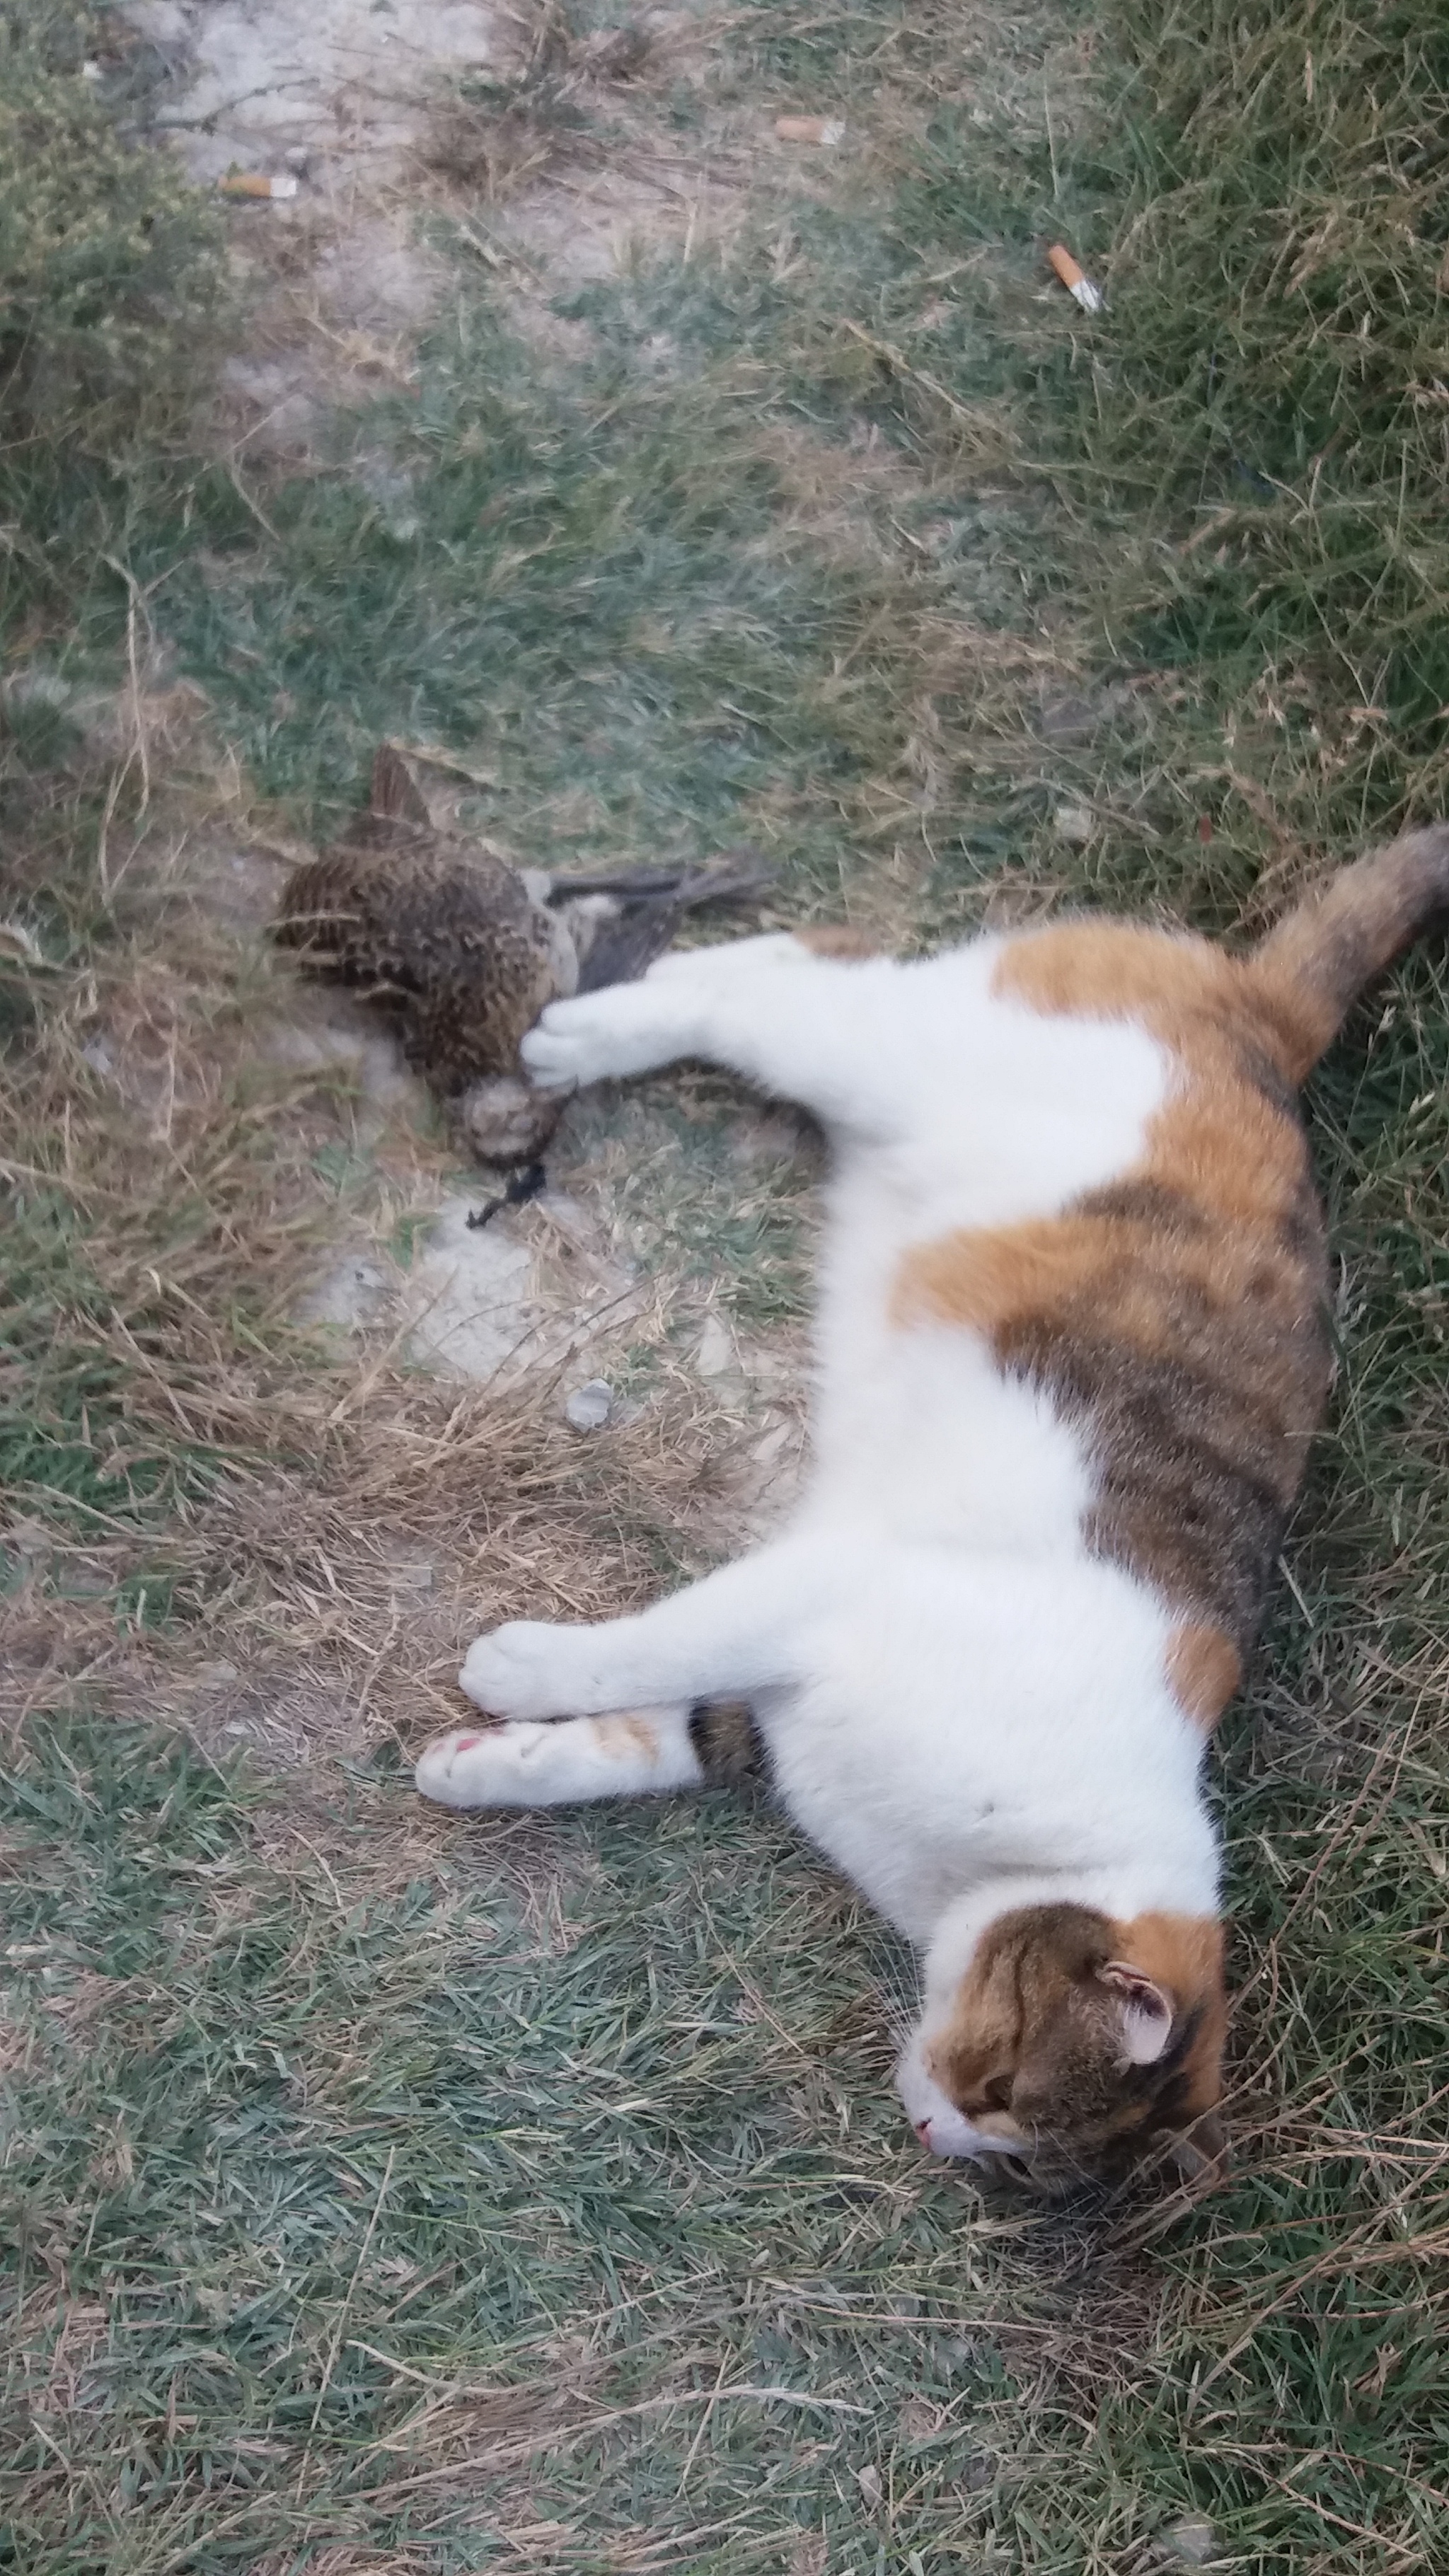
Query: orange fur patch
1204, 1669
1217, 1138
1184, 1953
1177, 1307
835, 939
618, 1737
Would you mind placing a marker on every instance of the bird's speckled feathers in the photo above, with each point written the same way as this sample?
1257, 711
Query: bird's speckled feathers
467, 951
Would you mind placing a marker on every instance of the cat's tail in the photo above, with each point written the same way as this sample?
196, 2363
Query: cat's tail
1312, 967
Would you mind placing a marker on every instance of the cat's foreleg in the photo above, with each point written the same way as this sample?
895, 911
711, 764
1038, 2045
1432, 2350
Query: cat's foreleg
800, 1026
734, 1632
622, 1692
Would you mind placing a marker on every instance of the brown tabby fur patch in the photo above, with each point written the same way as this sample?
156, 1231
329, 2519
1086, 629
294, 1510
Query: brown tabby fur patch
1310, 969
726, 1744
1034, 2048
1176, 1314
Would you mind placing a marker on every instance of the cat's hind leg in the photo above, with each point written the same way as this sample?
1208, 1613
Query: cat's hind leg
636, 1753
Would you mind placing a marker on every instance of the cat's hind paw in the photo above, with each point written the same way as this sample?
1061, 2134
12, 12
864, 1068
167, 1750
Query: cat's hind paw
482, 1767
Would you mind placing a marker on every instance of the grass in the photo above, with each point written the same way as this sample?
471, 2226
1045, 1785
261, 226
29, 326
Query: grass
316, 2286
1281, 318
367, 2169
114, 292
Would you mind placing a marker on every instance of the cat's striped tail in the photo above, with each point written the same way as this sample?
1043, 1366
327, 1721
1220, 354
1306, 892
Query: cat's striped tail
1311, 969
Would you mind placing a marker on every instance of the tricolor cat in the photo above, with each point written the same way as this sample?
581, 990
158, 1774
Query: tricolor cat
1070, 1353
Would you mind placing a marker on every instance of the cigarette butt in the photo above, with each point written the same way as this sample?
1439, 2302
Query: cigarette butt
810, 129
253, 183
1074, 278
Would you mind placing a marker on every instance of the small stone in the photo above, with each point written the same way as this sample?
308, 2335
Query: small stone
162, 21
1192, 2542
868, 2480
1074, 823
766, 1451
715, 1352
590, 1405
36, 687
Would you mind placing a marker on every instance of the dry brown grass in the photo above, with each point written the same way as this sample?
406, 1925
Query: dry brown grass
491, 136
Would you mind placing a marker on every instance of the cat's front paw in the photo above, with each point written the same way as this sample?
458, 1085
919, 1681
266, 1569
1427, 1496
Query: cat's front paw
625, 1028
487, 1767
527, 1669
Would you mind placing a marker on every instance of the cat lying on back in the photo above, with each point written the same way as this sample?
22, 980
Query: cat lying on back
1071, 1350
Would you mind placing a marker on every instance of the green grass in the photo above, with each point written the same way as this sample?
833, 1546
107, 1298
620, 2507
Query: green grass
698, 1198
309, 2274
112, 292
366, 2166
1281, 313
590, 596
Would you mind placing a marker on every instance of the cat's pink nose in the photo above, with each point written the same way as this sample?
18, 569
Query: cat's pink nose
465, 1743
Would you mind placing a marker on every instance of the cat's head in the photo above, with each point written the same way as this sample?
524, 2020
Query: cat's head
1072, 2044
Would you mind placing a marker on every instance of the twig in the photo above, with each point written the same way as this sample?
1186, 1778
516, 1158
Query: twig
255, 507
507, 2452
119, 777
351, 2286
137, 599
703, 2425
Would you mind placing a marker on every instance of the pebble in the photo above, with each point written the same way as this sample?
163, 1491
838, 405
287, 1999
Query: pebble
715, 1351
590, 1405
1192, 2542
1074, 823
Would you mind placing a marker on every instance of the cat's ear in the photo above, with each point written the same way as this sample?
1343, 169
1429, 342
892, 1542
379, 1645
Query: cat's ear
1145, 2012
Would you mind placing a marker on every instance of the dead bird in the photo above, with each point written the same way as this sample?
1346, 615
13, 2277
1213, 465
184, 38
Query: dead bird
465, 949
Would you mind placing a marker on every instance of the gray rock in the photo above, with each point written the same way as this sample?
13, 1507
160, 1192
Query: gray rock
590, 1405
1191, 2542
1074, 823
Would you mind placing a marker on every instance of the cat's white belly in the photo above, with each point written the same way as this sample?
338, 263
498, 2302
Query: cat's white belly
968, 1724
931, 1440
